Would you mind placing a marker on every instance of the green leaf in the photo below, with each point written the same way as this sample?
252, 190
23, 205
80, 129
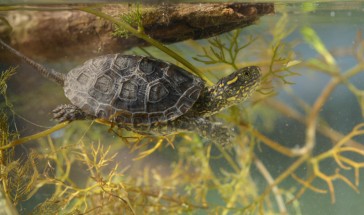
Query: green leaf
314, 40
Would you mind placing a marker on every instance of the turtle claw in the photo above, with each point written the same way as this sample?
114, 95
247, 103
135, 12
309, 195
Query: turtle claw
68, 112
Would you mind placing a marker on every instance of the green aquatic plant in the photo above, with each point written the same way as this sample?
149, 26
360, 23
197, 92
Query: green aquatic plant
134, 18
139, 32
4, 77
342, 143
91, 168
17, 176
228, 53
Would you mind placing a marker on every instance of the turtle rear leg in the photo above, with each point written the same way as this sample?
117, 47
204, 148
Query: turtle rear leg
69, 112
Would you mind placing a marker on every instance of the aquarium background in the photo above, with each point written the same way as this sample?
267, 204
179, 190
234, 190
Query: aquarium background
337, 27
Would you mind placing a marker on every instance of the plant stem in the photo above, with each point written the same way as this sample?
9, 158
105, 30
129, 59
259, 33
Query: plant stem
35, 136
140, 34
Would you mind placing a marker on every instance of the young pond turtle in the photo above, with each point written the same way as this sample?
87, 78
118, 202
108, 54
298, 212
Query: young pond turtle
148, 96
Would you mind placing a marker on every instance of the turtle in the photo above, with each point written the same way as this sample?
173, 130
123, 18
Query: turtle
147, 95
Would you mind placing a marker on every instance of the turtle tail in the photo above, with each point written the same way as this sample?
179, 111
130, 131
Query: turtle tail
49, 74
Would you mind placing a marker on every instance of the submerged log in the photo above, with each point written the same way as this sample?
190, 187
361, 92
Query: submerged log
74, 34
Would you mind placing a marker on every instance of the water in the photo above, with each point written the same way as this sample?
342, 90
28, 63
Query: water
310, 96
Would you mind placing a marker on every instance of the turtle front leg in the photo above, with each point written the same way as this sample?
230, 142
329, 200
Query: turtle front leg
69, 112
214, 131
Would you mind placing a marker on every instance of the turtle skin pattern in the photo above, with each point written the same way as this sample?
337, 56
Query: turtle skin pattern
132, 90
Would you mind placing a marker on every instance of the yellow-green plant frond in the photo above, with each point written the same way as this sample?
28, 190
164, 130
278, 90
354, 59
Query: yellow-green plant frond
224, 51
4, 77
134, 18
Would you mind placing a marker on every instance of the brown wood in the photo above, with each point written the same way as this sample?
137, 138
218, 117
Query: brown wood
74, 34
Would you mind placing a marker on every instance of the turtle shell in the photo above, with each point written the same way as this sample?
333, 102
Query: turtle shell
132, 89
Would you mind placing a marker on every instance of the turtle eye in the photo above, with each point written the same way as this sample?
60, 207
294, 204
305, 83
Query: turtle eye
247, 74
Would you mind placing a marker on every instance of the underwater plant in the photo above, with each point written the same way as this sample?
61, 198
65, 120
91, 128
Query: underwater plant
85, 167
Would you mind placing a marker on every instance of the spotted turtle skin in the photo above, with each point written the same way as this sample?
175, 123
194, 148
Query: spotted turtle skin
132, 89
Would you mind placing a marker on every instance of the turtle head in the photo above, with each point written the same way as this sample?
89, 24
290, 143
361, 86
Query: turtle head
238, 86
242, 81
228, 91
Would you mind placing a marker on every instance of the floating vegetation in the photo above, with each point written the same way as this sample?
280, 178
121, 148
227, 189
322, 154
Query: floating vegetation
91, 168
